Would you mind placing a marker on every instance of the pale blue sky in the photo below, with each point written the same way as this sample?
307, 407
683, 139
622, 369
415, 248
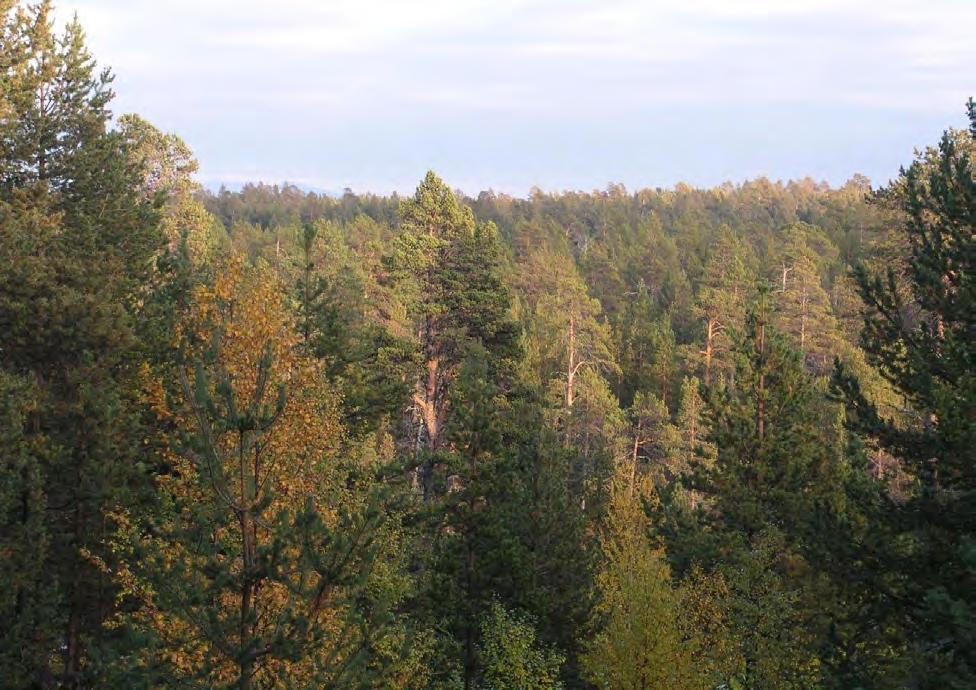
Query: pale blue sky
562, 94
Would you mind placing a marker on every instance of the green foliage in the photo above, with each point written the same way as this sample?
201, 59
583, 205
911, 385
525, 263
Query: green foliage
641, 640
776, 462
447, 272
56, 105
256, 568
918, 332
720, 302
442, 442
368, 362
511, 657
30, 598
78, 242
803, 309
566, 334
767, 618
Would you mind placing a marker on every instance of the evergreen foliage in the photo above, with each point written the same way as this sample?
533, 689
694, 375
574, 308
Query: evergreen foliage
275, 439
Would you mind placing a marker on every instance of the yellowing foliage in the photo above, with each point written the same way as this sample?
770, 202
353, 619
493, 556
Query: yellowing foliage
236, 482
244, 313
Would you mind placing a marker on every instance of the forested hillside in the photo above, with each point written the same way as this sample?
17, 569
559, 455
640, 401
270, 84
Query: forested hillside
652, 439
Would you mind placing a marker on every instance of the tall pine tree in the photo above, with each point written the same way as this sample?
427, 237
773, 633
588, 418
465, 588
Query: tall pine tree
920, 333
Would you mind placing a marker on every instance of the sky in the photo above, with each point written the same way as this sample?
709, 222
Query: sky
559, 94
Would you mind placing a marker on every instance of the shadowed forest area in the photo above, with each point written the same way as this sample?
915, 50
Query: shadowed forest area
654, 439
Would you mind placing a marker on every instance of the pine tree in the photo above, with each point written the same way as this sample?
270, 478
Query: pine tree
663, 363
449, 277
721, 300
595, 430
360, 356
257, 569
636, 353
655, 441
648, 349
766, 618
448, 268
489, 547
694, 451
56, 103
919, 332
556, 558
784, 470
803, 310
767, 428
567, 330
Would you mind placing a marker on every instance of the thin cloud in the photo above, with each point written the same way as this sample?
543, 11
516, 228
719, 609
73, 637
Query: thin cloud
376, 89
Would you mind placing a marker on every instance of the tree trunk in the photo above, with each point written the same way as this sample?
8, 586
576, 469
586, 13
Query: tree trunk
786, 272
571, 367
432, 413
803, 320
247, 603
709, 347
430, 403
761, 393
72, 663
633, 463
248, 557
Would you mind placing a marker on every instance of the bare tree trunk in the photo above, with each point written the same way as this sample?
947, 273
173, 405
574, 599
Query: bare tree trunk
432, 411
786, 271
571, 367
761, 396
709, 348
803, 319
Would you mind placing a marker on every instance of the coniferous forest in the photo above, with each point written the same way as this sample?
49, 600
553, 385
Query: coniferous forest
655, 439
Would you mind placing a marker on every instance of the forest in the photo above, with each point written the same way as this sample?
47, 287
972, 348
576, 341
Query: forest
659, 439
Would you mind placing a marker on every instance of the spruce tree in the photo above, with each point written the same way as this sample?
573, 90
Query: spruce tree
78, 242
30, 600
